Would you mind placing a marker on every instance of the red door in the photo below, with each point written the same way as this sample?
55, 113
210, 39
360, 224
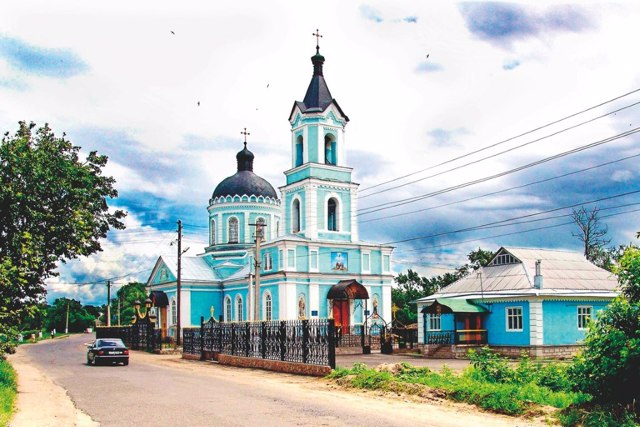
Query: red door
341, 314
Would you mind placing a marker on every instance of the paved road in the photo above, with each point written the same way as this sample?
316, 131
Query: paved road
168, 391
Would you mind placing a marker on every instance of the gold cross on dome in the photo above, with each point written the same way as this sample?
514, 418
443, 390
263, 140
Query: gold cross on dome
394, 310
245, 133
317, 36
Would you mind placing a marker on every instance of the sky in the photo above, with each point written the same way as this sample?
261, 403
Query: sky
471, 124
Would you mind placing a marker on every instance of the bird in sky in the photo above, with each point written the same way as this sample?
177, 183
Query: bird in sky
267, 85
427, 56
198, 103
173, 33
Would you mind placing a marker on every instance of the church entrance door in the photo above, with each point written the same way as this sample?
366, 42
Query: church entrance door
341, 315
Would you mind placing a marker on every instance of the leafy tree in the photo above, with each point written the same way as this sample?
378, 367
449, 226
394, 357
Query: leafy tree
411, 286
609, 366
79, 318
127, 295
53, 208
591, 232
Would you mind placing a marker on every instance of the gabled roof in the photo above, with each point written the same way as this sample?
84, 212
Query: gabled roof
561, 271
194, 268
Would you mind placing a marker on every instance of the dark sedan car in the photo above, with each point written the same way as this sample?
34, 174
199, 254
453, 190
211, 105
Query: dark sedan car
109, 350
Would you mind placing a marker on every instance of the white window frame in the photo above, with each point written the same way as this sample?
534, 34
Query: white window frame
174, 311
228, 309
433, 319
212, 232
296, 217
509, 315
239, 308
386, 265
280, 259
314, 256
267, 306
268, 262
291, 259
229, 230
585, 317
366, 268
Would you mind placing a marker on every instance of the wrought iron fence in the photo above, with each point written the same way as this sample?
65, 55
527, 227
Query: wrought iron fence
350, 336
139, 336
302, 341
405, 337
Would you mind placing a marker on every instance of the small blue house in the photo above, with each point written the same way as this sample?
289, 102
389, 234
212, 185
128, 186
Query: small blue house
534, 300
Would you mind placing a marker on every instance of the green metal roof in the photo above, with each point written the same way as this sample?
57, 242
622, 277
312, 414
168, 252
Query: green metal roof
459, 305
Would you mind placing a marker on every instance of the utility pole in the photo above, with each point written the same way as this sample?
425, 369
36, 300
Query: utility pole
118, 311
108, 302
66, 329
256, 295
179, 281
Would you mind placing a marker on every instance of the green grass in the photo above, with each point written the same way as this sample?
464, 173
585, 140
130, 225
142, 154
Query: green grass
7, 391
500, 397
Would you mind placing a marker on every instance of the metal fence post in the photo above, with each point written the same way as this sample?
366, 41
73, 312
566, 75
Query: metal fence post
263, 339
201, 337
331, 342
362, 343
247, 339
233, 339
283, 339
305, 340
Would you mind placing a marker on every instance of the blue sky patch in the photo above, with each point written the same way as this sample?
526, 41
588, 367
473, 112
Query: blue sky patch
60, 63
428, 67
510, 65
410, 19
504, 22
371, 14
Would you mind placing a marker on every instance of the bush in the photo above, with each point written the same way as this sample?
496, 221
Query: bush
490, 366
575, 416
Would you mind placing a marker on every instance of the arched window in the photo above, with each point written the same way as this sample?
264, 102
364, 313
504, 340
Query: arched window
332, 215
268, 307
174, 312
263, 228
330, 155
239, 309
233, 230
299, 151
212, 232
227, 309
302, 307
277, 228
295, 216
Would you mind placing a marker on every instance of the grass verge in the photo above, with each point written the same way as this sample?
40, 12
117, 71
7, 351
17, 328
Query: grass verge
8, 391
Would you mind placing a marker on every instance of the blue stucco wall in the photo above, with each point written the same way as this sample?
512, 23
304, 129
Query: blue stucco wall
201, 302
561, 321
496, 324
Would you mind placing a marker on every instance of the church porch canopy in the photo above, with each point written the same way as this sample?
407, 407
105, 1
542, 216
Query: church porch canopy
159, 299
348, 289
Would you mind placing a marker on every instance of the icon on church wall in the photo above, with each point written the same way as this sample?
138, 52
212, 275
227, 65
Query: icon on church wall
339, 261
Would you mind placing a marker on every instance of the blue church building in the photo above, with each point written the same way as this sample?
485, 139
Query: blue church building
311, 261
535, 300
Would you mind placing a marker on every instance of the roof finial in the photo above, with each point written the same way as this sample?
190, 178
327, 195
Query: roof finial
317, 36
245, 133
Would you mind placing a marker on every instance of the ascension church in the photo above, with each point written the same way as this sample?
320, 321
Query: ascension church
312, 263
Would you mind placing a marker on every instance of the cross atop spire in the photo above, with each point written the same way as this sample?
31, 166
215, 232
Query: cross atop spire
245, 133
317, 36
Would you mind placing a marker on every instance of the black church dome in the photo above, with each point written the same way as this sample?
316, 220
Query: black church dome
244, 181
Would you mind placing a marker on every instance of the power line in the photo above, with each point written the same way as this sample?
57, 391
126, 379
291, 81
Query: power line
478, 227
401, 202
493, 193
504, 141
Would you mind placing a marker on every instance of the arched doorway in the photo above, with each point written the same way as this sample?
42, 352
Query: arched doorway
341, 296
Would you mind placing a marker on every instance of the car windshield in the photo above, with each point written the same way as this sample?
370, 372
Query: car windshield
110, 343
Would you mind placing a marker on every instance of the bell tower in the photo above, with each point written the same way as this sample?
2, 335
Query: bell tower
319, 197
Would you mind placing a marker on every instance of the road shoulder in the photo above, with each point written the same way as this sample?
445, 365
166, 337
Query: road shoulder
40, 402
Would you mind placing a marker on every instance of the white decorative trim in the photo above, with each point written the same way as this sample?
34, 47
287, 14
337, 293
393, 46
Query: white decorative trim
536, 324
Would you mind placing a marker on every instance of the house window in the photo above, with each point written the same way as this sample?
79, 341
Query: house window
174, 312
366, 262
295, 216
280, 259
332, 218
227, 309
268, 265
584, 315
291, 258
212, 232
233, 230
330, 149
514, 319
503, 259
268, 306
434, 322
313, 263
239, 308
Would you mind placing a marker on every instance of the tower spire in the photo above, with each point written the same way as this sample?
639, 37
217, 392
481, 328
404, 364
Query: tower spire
317, 36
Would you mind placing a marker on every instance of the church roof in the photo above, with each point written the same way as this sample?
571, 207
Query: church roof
194, 268
318, 98
244, 181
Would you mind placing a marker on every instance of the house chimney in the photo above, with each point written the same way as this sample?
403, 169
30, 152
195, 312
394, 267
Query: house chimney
537, 279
